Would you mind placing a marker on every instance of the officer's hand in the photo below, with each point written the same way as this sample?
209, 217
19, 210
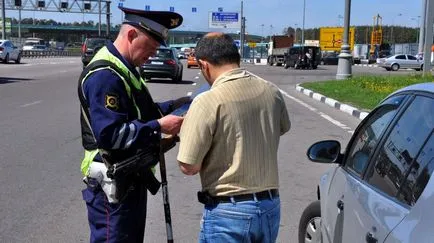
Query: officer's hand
170, 124
181, 101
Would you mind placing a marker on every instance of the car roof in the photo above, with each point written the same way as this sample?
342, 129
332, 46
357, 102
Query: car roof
424, 87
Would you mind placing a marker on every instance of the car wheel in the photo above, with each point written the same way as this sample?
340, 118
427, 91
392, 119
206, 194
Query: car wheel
309, 228
270, 61
296, 66
323, 63
395, 67
18, 59
188, 66
6, 60
421, 67
286, 66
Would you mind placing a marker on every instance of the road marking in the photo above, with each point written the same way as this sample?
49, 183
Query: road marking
189, 93
194, 84
196, 77
33, 103
198, 73
323, 115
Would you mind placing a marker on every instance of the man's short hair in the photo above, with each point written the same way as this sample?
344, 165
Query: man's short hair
217, 49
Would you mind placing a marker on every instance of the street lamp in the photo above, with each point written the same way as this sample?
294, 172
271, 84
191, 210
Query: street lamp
304, 16
417, 19
262, 33
345, 57
295, 34
392, 38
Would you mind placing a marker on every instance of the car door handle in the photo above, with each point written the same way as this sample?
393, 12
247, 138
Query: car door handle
370, 238
340, 205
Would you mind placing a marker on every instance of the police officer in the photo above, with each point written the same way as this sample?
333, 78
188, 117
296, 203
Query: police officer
118, 118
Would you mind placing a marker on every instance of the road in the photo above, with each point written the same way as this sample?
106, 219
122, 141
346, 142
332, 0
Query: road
40, 152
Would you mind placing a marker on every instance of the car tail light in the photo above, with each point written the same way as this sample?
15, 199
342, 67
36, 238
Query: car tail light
83, 48
170, 62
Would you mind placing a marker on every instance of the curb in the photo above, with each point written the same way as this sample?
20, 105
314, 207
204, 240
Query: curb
366, 65
333, 103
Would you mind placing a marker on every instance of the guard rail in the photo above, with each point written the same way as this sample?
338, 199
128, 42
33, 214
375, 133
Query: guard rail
48, 53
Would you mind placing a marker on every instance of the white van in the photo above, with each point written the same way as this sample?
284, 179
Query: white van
31, 42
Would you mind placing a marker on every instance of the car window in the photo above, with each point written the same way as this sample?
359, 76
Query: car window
410, 57
367, 137
96, 42
400, 57
402, 146
164, 53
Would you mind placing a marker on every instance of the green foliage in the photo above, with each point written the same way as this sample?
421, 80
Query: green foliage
364, 92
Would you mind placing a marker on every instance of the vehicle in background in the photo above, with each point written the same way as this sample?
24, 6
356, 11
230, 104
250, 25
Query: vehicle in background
57, 45
9, 52
181, 55
191, 60
380, 189
277, 48
296, 57
396, 62
30, 42
164, 64
330, 58
90, 47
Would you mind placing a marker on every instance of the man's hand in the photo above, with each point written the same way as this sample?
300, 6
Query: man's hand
170, 124
181, 101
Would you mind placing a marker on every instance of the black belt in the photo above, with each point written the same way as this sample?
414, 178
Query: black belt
267, 194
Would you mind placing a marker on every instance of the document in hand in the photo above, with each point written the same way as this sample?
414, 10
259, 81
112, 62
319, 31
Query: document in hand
181, 111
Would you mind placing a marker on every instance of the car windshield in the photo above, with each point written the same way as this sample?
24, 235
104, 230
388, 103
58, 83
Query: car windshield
96, 42
164, 53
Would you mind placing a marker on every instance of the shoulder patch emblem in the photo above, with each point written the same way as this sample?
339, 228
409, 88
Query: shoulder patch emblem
112, 102
174, 22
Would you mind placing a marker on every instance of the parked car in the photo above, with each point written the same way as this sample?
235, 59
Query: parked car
9, 52
164, 64
181, 55
381, 189
191, 60
296, 57
90, 47
330, 58
395, 62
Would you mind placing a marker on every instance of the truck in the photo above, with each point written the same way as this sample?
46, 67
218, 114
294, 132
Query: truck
277, 47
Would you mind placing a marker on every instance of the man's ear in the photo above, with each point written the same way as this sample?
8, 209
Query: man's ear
132, 34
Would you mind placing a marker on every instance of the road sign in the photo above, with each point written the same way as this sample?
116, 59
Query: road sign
194, 10
147, 7
251, 44
331, 38
172, 9
224, 20
8, 24
220, 9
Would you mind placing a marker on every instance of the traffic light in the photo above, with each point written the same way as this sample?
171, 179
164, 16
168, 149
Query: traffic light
41, 4
17, 3
64, 5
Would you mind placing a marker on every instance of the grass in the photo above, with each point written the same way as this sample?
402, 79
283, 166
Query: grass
364, 92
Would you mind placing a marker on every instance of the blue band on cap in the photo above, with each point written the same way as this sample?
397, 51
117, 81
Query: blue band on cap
148, 24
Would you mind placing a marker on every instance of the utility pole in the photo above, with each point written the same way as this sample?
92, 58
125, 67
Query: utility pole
304, 17
99, 16
428, 37
108, 18
3, 19
345, 58
422, 27
242, 32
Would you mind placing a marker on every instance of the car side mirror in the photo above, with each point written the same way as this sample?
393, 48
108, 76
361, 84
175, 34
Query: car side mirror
327, 151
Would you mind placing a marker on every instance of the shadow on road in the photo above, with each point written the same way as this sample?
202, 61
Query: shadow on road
5, 80
168, 81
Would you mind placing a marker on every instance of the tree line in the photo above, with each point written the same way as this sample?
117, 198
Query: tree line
391, 34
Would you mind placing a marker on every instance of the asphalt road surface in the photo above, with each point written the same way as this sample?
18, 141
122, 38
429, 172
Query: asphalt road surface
40, 152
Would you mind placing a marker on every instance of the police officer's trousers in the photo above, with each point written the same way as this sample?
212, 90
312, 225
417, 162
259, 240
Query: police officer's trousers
122, 222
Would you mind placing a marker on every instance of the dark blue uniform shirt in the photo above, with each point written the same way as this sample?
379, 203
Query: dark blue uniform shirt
113, 115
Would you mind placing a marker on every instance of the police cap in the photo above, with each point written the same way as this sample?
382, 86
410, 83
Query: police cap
155, 23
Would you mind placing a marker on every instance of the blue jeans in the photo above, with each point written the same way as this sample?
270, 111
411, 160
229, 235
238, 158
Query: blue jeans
239, 222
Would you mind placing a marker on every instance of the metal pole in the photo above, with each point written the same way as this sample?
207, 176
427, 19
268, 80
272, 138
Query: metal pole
304, 17
99, 16
108, 18
165, 190
428, 37
295, 34
19, 24
345, 58
242, 33
3, 19
422, 27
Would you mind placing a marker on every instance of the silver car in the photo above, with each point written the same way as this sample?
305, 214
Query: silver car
396, 62
381, 189
9, 52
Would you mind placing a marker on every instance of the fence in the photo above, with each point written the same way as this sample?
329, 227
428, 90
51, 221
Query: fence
49, 53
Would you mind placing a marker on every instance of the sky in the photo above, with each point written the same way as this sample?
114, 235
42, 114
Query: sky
263, 17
